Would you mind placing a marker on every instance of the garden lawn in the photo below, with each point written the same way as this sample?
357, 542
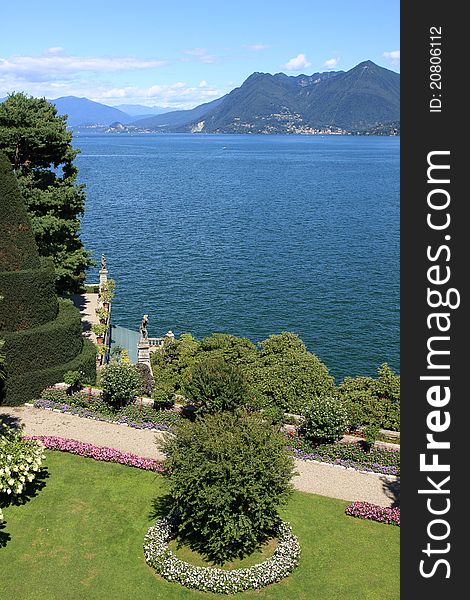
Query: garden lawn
81, 538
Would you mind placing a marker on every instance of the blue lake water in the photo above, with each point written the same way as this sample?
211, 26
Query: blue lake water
251, 235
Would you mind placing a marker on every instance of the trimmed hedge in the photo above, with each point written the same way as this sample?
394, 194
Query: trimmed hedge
53, 343
21, 388
18, 248
28, 297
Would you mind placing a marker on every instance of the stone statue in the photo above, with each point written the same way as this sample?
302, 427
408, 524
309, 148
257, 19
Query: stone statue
143, 328
103, 262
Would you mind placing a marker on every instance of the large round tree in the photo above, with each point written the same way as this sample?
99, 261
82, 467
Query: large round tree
228, 474
38, 145
43, 336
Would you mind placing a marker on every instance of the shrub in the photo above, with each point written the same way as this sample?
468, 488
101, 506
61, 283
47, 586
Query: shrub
370, 400
326, 420
228, 474
163, 395
73, 379
371, 433
274, 414
215, 386
20, 460
120, 383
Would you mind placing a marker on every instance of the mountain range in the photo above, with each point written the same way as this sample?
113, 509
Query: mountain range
364, 99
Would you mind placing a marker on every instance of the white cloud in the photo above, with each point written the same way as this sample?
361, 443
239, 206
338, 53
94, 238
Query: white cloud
55, 50
55, 64
297, 63
199, 54
331, 63
255, 47
54, 74
393, 56
179, 95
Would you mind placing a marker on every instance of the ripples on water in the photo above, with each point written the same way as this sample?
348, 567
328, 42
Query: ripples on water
252, 235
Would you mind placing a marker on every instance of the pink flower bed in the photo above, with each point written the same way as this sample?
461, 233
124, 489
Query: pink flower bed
97, 452
373, 512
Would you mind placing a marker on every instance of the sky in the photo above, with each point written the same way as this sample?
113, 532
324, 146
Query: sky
180, 54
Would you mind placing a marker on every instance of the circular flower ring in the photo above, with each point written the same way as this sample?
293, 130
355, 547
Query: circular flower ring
212, 579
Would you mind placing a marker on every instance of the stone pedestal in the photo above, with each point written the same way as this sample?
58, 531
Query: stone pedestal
103, 277
143, 352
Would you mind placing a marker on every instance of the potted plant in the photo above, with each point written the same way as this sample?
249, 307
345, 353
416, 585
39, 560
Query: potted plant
102, 315
99, 330
107, 292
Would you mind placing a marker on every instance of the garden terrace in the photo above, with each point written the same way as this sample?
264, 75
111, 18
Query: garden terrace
92, 545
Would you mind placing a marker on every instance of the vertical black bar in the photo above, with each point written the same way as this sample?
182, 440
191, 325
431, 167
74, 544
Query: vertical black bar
434, 260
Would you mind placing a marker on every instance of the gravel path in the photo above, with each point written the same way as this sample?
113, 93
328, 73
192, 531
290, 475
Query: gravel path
313, 477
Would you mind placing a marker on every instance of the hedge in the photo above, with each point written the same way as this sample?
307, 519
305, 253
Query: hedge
24, 387
29, 297
18, 248
54, 343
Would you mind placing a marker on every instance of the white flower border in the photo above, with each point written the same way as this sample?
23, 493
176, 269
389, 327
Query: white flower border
212, 579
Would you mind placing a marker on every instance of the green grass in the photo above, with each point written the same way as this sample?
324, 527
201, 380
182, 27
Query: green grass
183, 552
81, 538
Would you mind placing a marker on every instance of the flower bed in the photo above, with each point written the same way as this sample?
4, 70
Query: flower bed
372, 512
377, 460
98, 452
212, 579
130, 420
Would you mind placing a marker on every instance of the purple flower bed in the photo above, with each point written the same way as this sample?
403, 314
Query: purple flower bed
362, 465
97, 452
372, 512
351, 455
89, 414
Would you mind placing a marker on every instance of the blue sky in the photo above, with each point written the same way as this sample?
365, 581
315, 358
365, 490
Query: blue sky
180, 54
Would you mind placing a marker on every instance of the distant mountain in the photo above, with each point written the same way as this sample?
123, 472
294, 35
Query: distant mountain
138, 110
366, 97
82, 111
178, 119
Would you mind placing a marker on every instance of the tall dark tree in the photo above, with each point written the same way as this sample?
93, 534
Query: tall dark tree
38, 145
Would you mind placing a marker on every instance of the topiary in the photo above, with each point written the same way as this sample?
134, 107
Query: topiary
228, 474
326, 420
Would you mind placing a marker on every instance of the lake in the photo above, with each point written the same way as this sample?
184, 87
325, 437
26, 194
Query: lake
251, 235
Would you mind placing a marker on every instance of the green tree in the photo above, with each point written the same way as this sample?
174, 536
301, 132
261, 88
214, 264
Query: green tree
286, 375
215, 385
370, 400
38, 145
228, 475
